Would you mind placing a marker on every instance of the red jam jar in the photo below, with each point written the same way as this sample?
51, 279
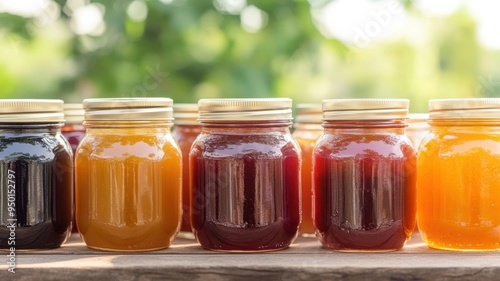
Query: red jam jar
364, 176
185, 131
245, 175
74, 131
307, 131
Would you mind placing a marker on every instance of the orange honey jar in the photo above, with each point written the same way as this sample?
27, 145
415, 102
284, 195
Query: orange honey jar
128, 175
458, 187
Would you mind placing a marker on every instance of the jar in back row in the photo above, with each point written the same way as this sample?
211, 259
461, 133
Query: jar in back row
364, 176
245, 175
185, 131
36, 175
128, 175
458, 175
73, 130
307, 130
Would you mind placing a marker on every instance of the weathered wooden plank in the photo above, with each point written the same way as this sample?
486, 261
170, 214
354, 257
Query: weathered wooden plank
305, 260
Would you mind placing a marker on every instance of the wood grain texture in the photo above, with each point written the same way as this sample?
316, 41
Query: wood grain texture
305, 260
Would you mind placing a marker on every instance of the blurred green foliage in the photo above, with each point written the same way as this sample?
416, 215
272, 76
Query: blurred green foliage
189, 49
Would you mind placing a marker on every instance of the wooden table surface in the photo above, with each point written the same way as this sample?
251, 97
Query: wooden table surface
305, 260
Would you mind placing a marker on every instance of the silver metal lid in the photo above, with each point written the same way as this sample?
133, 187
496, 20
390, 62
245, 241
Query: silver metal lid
259, 109
31, 111
365, 109
465, 108
73, 112
309, 113
186, 113
128, 109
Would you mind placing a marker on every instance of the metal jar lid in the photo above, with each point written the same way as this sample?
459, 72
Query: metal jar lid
365, 109
258, 109
128, 109
73, 112
465, 108
31, 111
309, 113
186, 113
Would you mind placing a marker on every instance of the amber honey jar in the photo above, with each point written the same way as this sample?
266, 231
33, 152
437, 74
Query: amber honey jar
245, 175
364, 176
458, 183
307, 131
185, 131
128, 175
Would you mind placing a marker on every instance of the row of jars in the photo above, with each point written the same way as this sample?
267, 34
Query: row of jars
244, 172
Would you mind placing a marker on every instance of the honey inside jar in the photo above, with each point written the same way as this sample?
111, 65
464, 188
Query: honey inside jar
459, 184
128, 185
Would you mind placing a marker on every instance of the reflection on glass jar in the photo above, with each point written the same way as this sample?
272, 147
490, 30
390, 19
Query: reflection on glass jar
245, 176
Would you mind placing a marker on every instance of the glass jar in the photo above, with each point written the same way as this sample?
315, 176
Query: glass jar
128, 175
307, 130
458, 183
417, 128
73, 130
36, 168
185, 131
364, 173
245, 175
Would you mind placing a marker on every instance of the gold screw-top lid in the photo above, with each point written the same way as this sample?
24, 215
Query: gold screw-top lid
186, 113
365, 109
73, 112
466, 108
31, 111
258, 109
309, 113
128, 109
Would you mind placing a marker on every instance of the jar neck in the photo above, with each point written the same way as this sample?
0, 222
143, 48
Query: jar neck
187, 128
463, 122
31, 128
112, 124
366, 126
308, 127
245, 128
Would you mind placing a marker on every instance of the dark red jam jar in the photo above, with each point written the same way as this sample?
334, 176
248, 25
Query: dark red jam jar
364, 176
36, 171
245, 175
185, 131
74, 131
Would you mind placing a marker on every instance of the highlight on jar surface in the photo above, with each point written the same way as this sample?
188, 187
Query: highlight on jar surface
128, 175
73, 130
36, 167
307, 130
185, 131
364, 174
245, 175
458, 183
